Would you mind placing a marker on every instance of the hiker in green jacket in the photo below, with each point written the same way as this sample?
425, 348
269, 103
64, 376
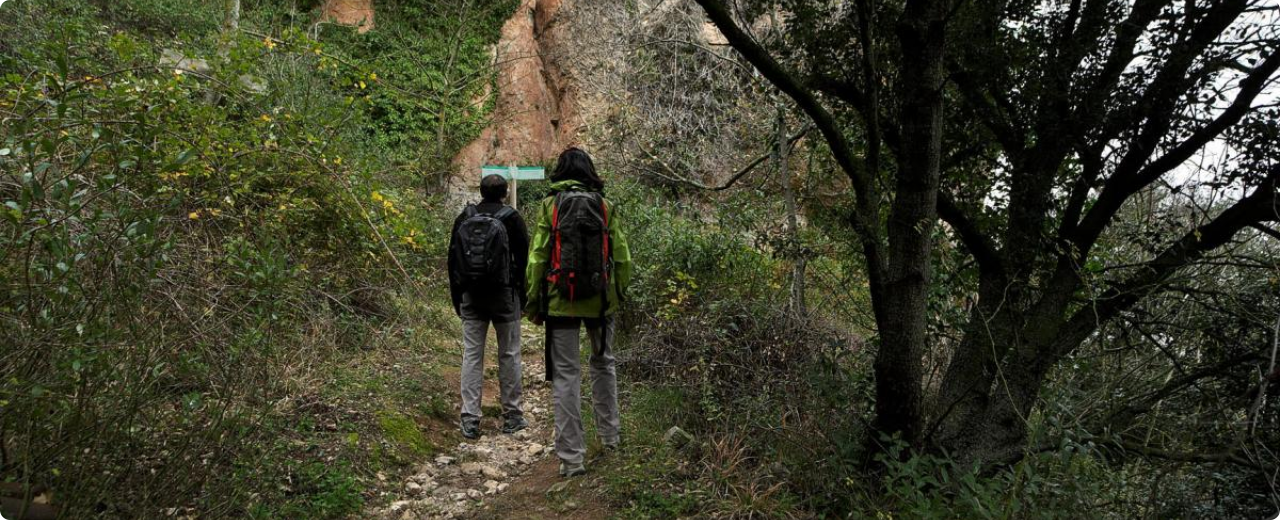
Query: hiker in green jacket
579, 265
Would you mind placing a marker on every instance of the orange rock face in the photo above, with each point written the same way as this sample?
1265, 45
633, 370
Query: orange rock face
534, 116
349, 12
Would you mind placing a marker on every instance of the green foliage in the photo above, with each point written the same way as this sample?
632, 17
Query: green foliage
707, 322
1051, 485
647, 476
320, 491
186, 253
435, 59
679, 254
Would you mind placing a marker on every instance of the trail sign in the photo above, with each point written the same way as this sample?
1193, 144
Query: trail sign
520, 173
515, 174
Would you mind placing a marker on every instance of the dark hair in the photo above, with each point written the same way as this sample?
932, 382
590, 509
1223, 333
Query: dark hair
575, 164
493, 188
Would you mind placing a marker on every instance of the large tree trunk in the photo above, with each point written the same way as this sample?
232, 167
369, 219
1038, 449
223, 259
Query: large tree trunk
905, 289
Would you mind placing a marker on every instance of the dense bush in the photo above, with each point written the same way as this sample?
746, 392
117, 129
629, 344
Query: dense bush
183, 249
780, 404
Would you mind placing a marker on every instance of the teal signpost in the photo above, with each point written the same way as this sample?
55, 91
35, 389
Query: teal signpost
515, 174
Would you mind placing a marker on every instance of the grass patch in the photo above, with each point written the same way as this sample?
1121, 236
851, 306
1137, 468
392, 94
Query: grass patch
437, 407
648, 477
318, 490
403, 432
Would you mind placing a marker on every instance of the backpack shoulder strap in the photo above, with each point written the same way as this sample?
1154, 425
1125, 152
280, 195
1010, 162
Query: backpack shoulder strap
505, 212
469, 211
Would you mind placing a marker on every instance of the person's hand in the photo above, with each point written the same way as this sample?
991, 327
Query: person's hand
536, 319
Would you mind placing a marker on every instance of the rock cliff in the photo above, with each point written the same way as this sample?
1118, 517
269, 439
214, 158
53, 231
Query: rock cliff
535, 114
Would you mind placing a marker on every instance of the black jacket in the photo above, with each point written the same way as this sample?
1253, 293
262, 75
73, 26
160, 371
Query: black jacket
490, 304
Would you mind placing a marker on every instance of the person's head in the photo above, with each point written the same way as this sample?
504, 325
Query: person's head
575, 164
493, 188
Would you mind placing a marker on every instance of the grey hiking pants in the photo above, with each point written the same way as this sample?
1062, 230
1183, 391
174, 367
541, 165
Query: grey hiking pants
567, 385
474, 333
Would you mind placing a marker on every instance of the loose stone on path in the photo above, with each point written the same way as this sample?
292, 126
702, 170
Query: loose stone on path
456, 483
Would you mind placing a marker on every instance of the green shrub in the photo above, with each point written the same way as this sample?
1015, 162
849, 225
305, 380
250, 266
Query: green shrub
183, 255
318, 491
1050, 485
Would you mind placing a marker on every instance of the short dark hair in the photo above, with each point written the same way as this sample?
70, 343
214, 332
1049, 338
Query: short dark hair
493, 188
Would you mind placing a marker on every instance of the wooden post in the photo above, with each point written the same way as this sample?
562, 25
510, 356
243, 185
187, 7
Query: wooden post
515, 188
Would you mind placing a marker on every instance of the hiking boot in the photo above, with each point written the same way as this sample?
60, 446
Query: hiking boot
610, 446
470, 430
514, 423
572, 470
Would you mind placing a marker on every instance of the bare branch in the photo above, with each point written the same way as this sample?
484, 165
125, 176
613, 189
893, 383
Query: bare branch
672, 175
1144, 403
1255, 412
788, 84
1257, 207
1266, 230
1157, 109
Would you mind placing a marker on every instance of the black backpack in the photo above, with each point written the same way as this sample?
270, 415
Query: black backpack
580, 255
482, 252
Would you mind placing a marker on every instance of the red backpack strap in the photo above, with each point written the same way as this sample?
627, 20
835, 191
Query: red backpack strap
604, 210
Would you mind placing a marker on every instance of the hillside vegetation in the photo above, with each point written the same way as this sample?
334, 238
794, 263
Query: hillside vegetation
921, 259
220, 258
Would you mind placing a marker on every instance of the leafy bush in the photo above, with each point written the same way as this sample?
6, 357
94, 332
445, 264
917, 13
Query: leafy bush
435, 62
708, 320
182, 251
1056, 484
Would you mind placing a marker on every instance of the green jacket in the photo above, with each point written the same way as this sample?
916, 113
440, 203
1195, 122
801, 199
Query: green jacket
539, 260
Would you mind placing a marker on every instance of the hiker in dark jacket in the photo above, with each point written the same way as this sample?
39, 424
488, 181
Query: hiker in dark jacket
481, 297
562, 295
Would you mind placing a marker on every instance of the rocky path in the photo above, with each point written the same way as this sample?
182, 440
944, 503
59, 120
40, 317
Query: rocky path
457, 483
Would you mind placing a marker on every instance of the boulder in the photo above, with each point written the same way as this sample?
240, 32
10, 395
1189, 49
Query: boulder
492, 472
179, 62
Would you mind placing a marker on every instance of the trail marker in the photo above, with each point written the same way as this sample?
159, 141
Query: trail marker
515, 174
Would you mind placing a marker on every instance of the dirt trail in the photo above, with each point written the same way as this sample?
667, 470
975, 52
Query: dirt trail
456, 483
500, 476
541, 494
510, 476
